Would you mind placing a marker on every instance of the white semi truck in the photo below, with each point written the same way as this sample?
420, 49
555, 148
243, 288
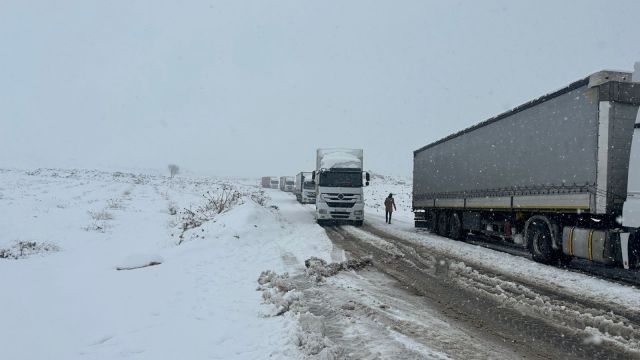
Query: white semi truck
274, 182
339, 180
286, 183
304, 188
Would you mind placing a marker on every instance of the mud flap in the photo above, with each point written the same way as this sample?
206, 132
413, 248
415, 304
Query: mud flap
633, 249
624, 247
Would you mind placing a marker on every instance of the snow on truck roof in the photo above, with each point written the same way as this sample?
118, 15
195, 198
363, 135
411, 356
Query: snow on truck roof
340, 159
594, 79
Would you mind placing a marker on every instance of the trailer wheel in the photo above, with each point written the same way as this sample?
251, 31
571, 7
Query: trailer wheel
539, 241
455, 227
443, 228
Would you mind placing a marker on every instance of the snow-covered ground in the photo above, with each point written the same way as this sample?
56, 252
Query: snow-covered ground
198, 301
380, 187
103, 265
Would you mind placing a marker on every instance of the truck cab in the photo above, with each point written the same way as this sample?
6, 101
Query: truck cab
339, 186
309, 191
305, 188
288, 183
274, 183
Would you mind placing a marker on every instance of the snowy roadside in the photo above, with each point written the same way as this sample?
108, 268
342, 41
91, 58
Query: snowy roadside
198, 301
570, 282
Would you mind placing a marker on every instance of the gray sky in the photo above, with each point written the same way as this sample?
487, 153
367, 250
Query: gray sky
251, 88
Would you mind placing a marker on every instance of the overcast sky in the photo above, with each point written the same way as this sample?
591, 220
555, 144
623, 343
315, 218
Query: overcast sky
251, 88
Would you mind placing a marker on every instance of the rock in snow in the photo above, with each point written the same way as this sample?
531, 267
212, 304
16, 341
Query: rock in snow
137, 261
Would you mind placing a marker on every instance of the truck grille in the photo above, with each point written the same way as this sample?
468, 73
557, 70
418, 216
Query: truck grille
339, 214
340, 197
340, 204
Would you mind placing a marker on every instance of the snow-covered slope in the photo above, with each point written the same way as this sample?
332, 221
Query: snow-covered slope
198, 301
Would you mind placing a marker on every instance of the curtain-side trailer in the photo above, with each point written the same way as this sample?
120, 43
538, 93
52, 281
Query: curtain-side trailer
549, 175
266, 181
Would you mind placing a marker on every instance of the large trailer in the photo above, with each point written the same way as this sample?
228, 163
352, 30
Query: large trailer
549, 175
266, 182
339, 182
304, 188
270, 182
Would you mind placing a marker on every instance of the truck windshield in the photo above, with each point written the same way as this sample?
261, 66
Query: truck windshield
289, 182
309, 185
343, 179
274, 183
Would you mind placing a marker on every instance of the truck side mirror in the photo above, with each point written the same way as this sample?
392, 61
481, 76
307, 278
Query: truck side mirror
366, 184
313, 175
368, 177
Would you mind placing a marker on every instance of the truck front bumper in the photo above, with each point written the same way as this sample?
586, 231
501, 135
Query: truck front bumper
324, 212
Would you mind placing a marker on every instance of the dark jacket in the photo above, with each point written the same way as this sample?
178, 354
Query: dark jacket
389, 204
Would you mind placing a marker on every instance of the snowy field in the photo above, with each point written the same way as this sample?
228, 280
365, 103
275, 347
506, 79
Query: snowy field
64, 298
101, 265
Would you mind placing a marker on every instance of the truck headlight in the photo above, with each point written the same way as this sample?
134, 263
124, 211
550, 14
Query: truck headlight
358, 212
322, 211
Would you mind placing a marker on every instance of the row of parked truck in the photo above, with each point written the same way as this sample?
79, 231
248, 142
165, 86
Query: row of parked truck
549, 176
301, 185
335, 186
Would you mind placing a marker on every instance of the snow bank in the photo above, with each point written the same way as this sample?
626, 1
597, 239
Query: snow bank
319, 269
279, 292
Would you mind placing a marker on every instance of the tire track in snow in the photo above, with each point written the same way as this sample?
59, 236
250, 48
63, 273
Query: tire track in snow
505, 309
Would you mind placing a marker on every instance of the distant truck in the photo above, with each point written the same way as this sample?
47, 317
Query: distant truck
270, 182
549, 176
304, 188
286, 183
338, 179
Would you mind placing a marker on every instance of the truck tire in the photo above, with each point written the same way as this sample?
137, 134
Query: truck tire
443, 224
456, 231
539, 242
358, 222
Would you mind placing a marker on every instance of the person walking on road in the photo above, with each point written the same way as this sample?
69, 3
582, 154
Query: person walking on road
389, 206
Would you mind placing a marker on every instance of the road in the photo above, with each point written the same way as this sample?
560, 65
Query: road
434, 306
